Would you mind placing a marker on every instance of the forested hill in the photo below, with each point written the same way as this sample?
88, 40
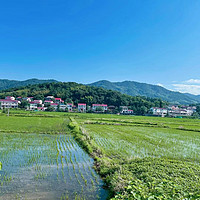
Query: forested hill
6, 84
78, 93
143, 89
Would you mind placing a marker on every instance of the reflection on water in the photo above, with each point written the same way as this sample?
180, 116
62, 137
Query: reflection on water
46, 167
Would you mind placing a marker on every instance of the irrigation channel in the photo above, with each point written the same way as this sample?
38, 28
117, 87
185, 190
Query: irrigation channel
39, 166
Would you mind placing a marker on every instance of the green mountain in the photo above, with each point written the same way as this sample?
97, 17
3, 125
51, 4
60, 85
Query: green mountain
143, 89
79, 93
196, 97
6, 84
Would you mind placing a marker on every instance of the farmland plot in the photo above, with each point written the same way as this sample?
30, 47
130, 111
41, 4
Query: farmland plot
38, 166
145, 157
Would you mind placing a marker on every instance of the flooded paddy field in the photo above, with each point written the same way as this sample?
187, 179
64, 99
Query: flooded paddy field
39, 166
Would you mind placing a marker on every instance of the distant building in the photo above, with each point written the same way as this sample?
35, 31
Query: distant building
63, 107
41, 108
159, 111
10, 98
49, 98
74, 108
33, 105
54, 105
70, 107
81, 107
95, 107
123, 109
129, 112
8, 103
58, 100
48, 101
38, 101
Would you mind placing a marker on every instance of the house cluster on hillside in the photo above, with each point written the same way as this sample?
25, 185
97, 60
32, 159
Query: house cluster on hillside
173, 111
56, 104
51, 103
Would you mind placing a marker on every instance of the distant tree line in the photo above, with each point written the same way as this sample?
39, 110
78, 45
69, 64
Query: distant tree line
75, 93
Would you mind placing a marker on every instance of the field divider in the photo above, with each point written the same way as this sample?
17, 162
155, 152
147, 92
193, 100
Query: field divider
103, 165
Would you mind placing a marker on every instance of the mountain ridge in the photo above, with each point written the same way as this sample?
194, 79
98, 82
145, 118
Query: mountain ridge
134, 88
7, 84
131, 88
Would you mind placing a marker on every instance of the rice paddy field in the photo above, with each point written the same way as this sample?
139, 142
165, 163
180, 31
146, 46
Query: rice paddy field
37, 165
148, 157
136, 157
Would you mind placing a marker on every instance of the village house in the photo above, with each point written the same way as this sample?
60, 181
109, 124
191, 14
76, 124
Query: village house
33, 105
58, 100
8, 103
49, 98
95, 107
123, 109
159, 111
74, 108
69, 107
10, 98
41, 108
129, 112
48, 101
38, 101
180, 112
54, 105
63, 107
81, 107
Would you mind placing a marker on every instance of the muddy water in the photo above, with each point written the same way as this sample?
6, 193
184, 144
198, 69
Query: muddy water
46, 167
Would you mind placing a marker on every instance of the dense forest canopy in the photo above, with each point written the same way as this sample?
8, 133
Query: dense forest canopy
78, 93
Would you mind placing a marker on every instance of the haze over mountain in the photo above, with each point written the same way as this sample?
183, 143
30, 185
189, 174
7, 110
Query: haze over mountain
6, 84
143, 89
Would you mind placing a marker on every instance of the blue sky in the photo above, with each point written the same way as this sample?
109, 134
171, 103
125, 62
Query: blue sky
148, 41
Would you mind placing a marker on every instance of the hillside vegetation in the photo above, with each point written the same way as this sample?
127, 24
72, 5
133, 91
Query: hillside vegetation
143, 89
78, 93
6, 84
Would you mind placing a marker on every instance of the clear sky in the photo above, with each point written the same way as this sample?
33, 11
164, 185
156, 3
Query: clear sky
152, 41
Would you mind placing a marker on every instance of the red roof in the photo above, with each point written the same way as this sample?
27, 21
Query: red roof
47, 101
58, 99
69, 103
104, 105
54, 104
32, 102
82, 104
130, 110
40, 108
8, 100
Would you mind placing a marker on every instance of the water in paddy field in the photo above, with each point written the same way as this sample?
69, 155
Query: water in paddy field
37, 166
